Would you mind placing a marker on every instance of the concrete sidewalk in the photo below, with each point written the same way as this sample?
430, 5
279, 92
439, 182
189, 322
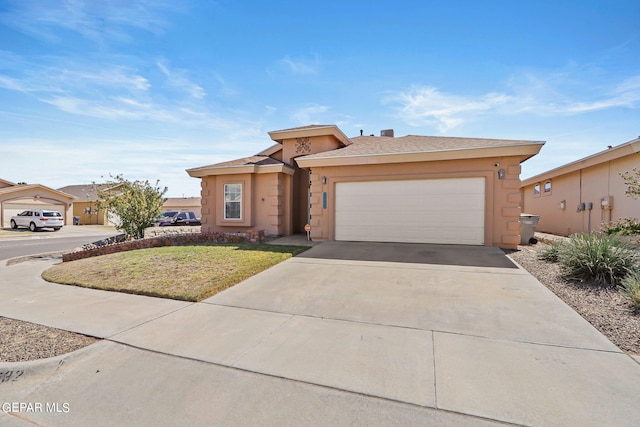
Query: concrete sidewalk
328, 340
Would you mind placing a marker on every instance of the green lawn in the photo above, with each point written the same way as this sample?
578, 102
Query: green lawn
189, 273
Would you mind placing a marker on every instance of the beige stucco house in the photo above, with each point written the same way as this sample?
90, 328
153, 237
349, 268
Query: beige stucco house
85, 206
580, 196
368, 188
15, 198
192, 204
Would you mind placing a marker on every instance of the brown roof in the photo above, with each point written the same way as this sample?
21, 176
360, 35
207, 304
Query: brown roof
182, 201
378, 145
245, 161
85, 192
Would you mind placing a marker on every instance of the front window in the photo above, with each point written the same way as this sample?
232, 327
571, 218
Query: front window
233, 201
547, 187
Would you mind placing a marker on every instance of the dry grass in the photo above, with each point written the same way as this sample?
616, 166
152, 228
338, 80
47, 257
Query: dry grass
189, 273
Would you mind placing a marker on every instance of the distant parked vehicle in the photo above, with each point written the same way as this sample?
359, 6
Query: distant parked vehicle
177, 218
37, 219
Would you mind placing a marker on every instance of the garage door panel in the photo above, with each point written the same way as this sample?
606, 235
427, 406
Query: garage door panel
416, 235
403, 218
427, 211
411, 202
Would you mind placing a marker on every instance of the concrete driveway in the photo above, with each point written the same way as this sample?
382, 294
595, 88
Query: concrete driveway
345, 333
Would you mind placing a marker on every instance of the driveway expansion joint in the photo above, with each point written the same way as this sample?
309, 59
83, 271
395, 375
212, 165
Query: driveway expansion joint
434, 331
137, 325
308, 383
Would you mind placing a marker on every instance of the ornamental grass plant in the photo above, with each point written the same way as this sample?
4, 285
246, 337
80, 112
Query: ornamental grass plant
630, 287
597, 257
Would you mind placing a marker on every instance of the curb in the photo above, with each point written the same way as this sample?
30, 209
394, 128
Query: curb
47, 255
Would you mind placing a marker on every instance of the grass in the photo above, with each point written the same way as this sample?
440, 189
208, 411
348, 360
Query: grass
189, 273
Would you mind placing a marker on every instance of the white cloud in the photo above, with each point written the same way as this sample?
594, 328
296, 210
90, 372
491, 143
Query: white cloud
426, 106
178, 79
625, 94
99, 21
528, 93
309, 114
300, 66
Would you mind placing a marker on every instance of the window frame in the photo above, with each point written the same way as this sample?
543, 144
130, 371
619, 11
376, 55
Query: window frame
225, 201
547, 190
537, 190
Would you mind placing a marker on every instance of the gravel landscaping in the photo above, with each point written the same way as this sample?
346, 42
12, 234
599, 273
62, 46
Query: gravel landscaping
22, 341
604, 307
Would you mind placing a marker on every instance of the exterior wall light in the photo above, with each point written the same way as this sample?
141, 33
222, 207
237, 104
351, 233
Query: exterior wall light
501, 174
324, 179
563, 205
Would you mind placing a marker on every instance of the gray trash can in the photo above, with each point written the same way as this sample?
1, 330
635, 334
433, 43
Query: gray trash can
528, 224
76, 220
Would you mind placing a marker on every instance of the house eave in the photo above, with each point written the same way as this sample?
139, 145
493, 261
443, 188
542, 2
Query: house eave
241, 169
333, 130
523, 151
271, 150
628, 148
19, 188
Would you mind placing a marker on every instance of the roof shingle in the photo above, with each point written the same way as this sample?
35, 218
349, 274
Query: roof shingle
379, 145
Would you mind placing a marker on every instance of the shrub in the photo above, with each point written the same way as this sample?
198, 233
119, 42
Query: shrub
631, 289
623, 227
550, 253
598, 257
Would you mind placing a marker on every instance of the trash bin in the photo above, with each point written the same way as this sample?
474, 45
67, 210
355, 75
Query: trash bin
528, 224
76, 220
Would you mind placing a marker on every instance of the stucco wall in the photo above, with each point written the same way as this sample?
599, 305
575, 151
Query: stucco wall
95, 217
266, 203
588, 185
40, 195
502, 202
295, 147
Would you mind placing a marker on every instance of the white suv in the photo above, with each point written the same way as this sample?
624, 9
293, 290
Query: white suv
36, 219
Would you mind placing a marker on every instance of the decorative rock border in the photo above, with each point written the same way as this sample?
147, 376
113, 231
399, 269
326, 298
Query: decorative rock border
251, 236
163, 231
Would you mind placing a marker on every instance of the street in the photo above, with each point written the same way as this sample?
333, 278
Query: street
68, 238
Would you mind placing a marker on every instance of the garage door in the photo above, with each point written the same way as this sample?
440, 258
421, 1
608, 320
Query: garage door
11, 209
447, 211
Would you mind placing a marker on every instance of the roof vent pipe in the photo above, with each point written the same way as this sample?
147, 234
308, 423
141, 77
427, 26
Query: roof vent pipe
361, 132
387, 132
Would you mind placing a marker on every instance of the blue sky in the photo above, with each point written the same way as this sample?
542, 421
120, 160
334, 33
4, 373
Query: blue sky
149, 88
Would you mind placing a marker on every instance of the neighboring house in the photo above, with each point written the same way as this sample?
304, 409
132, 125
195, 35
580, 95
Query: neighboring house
15, 198
580, 196
192, 204
367, 188
85, 206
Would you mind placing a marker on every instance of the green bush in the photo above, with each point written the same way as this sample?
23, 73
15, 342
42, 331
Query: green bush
631, 289
623, 227
597, 257
550, 253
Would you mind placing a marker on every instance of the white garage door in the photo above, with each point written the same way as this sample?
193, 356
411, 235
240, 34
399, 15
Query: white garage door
11, 209
447, 211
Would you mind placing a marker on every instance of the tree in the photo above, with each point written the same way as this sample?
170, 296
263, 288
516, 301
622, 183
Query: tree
135, 203
633, 182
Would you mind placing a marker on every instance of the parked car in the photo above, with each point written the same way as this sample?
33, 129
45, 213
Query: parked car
36, 219
177, 218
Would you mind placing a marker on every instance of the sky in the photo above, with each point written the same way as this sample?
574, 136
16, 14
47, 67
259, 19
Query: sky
148, 88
